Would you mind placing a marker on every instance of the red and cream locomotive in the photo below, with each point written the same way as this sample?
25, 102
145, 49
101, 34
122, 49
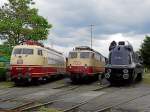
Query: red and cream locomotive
84, 62
32, 61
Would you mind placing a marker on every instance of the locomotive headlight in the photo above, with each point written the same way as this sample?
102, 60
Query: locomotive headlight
70, 66
107, 75
125, 71
19, 75
109, 71
125, 76
85, 65
29, 69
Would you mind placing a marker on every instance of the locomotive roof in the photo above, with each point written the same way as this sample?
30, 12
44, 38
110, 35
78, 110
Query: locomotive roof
122, 44
35, 46
122, 48
85, 49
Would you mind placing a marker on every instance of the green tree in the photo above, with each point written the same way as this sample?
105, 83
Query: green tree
145, 51
19, 22
5, 50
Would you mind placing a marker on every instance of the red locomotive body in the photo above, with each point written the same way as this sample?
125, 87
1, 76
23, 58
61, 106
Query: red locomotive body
33, 61
85, 62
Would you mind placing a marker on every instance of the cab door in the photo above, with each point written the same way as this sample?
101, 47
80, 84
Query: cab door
40, 56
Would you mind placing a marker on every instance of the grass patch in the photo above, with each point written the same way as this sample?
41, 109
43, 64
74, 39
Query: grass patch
146, 78
43, 109
4, 85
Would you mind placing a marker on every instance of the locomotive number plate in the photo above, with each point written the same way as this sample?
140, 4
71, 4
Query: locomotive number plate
77, 63
20, 61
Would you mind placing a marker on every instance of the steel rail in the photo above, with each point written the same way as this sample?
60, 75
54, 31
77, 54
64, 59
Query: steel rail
116, 105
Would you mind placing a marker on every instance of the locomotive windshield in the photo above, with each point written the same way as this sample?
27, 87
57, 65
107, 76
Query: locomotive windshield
17, 51
84, 55
73, 55
23, 51
120, 57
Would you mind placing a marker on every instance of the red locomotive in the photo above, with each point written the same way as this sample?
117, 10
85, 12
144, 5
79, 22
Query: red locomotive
84, 62
32, 61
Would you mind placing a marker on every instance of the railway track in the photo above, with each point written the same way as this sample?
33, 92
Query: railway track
35, 107
109, 108
76, 108
16, 109
51, 102
39, 105
66, 89
7, 91
13, 93
102, 87
29, 106
9, 96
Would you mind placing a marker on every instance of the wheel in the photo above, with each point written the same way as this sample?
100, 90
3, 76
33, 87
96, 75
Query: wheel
96, 77
132, 77
36, 81
18, 83
44, 81
75, 79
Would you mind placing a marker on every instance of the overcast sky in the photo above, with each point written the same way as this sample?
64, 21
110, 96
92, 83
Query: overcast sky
113, 19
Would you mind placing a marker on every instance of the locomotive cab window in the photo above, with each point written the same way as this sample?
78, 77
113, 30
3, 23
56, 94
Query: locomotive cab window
120, 58
73, 55
23, 51
27, 51
40, 52
17, 51
84, 55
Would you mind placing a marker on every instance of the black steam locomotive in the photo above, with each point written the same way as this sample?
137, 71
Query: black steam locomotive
124, 65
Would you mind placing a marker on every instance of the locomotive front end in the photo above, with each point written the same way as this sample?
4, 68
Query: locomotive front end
85, 63
80, 64
123, 64
120, 66
114, 73
20, 63
32, 62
